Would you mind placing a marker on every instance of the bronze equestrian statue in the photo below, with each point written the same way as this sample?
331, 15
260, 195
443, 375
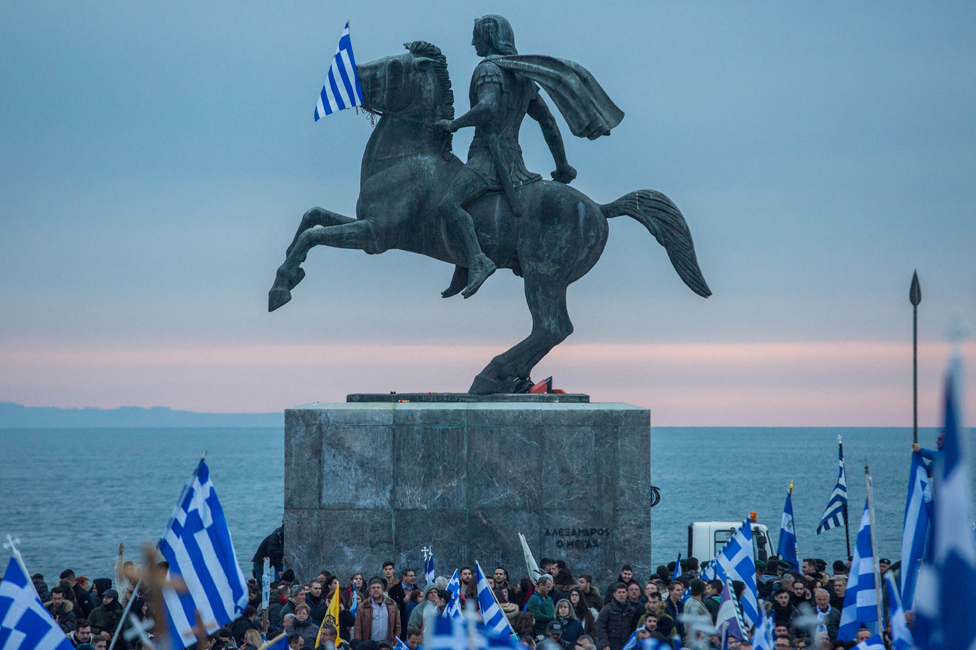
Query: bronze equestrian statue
416, 195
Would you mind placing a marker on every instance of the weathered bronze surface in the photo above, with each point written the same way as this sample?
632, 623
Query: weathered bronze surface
491, 212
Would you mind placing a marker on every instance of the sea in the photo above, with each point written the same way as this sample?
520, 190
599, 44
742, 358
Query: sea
71, 496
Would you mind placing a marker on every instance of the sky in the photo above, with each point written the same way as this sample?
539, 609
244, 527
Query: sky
156, 158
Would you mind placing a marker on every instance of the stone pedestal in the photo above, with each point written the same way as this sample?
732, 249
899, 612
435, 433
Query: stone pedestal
369, 482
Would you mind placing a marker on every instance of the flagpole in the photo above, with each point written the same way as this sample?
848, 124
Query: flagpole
847, 525
915, 296
874, 552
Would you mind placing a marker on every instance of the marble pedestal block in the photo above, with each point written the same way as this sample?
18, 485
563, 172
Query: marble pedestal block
369, 482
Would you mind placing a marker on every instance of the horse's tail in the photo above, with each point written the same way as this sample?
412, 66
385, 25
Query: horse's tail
663, 219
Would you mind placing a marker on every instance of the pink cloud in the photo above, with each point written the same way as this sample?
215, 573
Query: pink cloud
747, 384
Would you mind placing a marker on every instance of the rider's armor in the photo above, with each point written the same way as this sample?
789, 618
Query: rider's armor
516, 93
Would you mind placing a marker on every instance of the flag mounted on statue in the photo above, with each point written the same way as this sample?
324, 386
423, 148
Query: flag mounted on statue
341, 89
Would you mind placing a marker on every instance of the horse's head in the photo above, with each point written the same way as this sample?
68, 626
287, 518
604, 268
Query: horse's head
414, 85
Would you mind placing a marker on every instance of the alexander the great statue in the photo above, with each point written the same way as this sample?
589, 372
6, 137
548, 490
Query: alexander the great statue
502, 92
491, 212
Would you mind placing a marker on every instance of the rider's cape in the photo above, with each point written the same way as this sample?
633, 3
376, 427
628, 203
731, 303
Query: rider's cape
588, 110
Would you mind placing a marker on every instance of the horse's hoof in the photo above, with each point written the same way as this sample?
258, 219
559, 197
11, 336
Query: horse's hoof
288, 278
277, 298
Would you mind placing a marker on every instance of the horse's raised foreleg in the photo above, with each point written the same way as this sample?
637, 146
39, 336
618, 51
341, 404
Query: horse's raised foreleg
550, 326
317, 217
355, 234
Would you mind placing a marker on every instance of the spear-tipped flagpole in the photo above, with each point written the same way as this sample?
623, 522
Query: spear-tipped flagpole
915, 296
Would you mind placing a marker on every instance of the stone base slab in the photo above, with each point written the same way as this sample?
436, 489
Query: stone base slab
369, 482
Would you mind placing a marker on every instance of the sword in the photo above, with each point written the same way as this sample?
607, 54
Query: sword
504, 176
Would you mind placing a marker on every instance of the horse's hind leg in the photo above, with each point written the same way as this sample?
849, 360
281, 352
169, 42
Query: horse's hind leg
317, 217
355, 234
550, 326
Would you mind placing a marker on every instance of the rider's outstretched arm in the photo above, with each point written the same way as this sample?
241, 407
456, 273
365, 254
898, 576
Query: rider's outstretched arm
481, 112
539, 111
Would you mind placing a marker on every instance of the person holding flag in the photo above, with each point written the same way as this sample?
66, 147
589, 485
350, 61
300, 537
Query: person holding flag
787, 534
331, 621
946, 587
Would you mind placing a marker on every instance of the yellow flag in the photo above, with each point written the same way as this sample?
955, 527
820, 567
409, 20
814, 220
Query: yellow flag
331, 619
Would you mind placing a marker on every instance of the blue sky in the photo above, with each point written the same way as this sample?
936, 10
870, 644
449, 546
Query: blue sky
155, 161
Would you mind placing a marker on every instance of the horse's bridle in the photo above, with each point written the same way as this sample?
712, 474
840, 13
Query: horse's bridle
401, 115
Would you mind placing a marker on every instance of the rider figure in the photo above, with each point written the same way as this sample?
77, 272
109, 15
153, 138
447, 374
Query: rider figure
499, 100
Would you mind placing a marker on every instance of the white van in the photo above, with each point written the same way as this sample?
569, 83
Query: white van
707, 538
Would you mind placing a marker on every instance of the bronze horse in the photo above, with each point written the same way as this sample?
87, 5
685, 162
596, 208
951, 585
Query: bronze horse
558, 237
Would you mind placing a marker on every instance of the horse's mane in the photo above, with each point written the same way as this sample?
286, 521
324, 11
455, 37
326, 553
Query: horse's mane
445, 105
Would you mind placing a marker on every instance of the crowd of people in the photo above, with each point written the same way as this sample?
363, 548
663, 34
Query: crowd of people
560, 610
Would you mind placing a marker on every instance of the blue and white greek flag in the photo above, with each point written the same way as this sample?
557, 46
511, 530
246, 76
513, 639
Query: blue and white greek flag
872, 643
677, 568
946, 588
917, 513
728, 620
453, 609
458, 634
342, 90
429, 576
836, 511
401, 645
24, 622
861, 600
762, 636
200, 553
448, 634
654, 644
354, 601
787, 534
492, 615
280, 642
901, 636
736, 562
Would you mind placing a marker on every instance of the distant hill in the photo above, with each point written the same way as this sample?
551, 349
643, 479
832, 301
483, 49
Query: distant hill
17, 416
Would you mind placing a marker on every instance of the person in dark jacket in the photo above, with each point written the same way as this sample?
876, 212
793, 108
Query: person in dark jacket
673, 606
82, 598
303, 625
769, 580
626, 576
41, 587
829, 617
616, 621
295, 598
106, 617
583, 613
62, 610
783, 608
572, 629
248, 621
401, 590
273, 547
591, 595
276, 602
